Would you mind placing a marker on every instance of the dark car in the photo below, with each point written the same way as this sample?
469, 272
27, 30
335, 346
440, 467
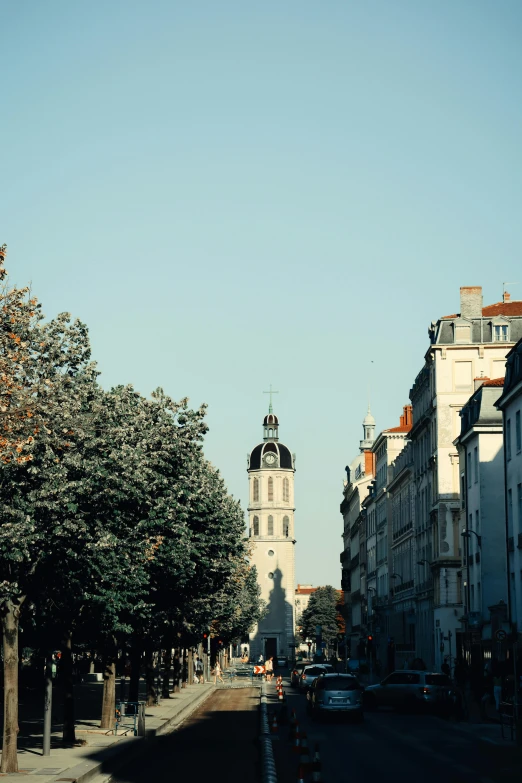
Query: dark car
336, 693
295, 672
411, 689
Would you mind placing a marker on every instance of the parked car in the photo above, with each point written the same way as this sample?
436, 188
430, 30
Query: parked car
411, 689
336, 693
295, 672
309, 674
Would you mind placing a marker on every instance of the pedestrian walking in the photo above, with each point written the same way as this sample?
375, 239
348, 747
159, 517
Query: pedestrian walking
218, 673
261, 659
199, 670
269, 669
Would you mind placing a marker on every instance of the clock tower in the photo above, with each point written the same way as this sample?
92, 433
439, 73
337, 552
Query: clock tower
271, 469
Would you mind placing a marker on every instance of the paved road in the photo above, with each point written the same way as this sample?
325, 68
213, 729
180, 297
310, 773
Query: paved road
218, 742
396, 747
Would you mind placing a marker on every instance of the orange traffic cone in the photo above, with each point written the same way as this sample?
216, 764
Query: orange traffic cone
275, 727
317, 766
301, 775
304, 755
281, 695
296, 748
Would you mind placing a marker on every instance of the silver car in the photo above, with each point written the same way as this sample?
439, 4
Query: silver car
309, 674
336, 693
409, 689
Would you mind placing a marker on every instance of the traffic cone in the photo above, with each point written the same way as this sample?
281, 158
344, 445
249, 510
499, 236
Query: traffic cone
304, 754
317, 766
281, 695
296, 748
275, 727
301, 775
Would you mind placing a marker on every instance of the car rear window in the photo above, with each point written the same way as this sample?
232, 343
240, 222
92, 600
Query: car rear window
314, 671
437, 679
339, 684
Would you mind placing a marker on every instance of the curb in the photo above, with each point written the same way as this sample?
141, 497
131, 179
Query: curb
268, 767
129, 748
500, 743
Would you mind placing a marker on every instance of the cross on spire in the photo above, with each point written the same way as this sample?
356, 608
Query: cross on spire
270, 410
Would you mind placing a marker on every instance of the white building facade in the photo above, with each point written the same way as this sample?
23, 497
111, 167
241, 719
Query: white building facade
511, 406
271, 470
465, 346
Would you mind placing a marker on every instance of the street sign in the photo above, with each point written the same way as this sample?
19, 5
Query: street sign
259, 669
500, 635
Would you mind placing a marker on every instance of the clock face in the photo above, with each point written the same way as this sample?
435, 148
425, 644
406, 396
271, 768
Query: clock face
270, 459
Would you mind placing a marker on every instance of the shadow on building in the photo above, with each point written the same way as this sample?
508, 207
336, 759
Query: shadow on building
274, 634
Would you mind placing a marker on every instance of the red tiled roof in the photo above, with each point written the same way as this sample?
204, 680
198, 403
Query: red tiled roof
401, 428
305, 590
494, 382
499, 308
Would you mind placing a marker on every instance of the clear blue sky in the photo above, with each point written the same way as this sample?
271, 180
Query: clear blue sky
231, 194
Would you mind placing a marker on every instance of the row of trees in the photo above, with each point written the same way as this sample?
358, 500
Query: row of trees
114, 529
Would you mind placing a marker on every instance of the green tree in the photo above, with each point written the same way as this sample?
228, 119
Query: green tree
321, 610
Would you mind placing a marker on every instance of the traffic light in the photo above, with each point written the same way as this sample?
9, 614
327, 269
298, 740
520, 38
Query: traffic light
369, 643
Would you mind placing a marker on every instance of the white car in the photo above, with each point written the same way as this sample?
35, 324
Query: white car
309, 674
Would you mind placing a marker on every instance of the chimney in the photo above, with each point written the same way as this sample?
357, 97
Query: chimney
477, 382
471, 301
506, 297
408, 416
369, 463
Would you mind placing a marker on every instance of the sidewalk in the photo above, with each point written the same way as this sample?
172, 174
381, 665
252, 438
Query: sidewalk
103, 751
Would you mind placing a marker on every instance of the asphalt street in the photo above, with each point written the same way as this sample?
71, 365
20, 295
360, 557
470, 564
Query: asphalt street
393, 747
217, 742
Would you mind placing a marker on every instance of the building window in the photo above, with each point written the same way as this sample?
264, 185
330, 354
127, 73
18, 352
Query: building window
270, 525
270, 488
271, 553
518, 432
508, 439
475, 460
469, 468
462, 334
256, 526
463, 376
477, 521
519, 506
256, 490
286, 491
500, 333
286, 527
270, 574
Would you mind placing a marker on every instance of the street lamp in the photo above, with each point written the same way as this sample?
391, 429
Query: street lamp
466, 533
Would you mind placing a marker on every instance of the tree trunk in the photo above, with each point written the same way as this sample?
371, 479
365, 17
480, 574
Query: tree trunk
69, 736
109, 687
184, 670
10, 623
135, 659
149, 678
177, 671
165, 685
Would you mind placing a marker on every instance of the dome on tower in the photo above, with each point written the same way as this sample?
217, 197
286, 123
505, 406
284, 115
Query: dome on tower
279, 450
369, 421
270, 418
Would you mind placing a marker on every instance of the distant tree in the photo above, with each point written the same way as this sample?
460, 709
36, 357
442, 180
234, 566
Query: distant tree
322, 610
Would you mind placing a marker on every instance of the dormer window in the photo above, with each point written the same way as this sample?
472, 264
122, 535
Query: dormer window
462, 331
500, 333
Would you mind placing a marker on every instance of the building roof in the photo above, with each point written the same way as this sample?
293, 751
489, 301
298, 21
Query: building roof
499, 308
402, 428
256, 455
494, 382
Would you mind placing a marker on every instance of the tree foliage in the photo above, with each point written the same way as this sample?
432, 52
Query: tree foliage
321, 610
113, 525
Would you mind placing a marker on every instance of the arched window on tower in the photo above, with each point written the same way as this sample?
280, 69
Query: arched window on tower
270, 531
256, 491
286, 527
256, 526
270, 488
286, 491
